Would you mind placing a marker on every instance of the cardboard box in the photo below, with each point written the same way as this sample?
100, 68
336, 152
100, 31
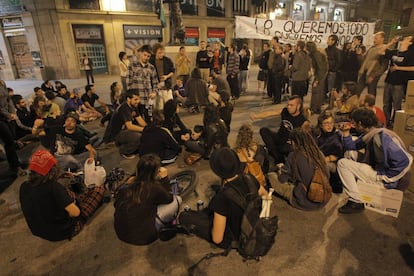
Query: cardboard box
404, 127
409, 97
381, 200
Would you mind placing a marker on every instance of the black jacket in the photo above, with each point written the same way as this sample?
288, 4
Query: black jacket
334, 58
168, 67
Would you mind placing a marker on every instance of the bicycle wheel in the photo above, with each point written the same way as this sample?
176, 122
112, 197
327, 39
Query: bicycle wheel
186, 182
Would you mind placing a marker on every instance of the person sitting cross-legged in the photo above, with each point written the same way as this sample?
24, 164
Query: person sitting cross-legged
144, 205
292, 116
197, 92
69, 144
329, 142
126, 126
220, 222
386, 162
52, 211
90, 97
296, 174
159, 140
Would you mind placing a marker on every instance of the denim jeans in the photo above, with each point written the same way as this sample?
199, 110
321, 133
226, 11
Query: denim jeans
74, 162
331, 80
167, 212
392, 99
362, 83
243, 80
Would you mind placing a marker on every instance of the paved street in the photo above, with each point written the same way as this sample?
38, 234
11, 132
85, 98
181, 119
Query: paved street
323, 242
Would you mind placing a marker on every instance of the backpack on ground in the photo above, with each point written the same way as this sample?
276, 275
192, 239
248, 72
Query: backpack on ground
257, 235
320, 189
115, 179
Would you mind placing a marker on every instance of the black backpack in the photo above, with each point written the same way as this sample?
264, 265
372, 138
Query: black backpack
257, 235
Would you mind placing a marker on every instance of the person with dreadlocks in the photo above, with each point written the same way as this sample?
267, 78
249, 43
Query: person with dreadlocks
298, 171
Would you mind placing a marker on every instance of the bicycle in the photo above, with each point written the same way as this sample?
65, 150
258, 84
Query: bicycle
183, 183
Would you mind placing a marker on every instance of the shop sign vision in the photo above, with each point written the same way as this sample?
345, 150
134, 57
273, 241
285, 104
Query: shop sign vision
139, 31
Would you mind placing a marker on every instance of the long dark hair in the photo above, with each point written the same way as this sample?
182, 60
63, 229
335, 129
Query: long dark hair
170, 114
113, 91
147, 171
121, 55
36, 179
211, 115
170, 108
302, 142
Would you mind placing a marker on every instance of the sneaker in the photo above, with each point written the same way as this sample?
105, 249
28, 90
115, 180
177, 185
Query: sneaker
170, 231
351, 208
129, 156
106, 145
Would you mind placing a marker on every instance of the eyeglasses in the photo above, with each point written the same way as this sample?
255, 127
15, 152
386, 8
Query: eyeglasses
328, 124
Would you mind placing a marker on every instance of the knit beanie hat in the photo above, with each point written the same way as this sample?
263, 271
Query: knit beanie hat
41, 162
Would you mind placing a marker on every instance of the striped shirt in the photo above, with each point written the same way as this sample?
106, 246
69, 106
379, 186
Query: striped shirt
233, 64
143, 78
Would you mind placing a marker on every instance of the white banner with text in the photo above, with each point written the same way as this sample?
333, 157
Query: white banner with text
290, 31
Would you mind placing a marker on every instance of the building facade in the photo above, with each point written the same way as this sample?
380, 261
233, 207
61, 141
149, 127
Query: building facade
46, 39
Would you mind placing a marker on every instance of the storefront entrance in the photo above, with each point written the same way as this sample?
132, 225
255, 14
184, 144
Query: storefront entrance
23, 61
89, 40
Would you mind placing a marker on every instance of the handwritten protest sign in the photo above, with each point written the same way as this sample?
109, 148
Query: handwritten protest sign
309, 30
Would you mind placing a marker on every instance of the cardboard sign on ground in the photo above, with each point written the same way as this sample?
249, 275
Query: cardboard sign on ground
381, 200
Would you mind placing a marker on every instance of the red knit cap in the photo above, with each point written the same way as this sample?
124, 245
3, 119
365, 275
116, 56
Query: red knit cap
41, 162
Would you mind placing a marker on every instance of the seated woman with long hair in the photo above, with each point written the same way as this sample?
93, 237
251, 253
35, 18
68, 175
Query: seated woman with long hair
298, 171
43, 109
213, 136
145, 206
173, 122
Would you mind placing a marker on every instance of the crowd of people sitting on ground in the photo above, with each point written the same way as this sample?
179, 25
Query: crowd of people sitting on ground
143, 119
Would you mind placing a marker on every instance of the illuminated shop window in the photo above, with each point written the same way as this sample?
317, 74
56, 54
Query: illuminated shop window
113, 5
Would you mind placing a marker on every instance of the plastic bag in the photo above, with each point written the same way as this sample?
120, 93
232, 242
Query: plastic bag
94, 175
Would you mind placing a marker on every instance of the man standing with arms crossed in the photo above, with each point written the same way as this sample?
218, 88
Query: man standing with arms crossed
203, 61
